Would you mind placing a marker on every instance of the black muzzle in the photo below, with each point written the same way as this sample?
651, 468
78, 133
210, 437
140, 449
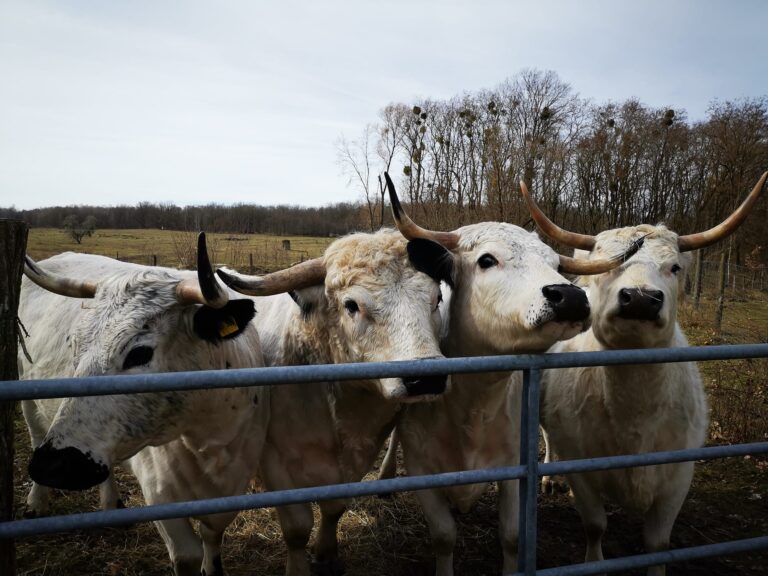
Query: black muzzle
422, 385
65, 468
568, 302
637, 304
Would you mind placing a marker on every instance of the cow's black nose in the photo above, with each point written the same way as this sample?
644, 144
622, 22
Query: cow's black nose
420, 385
640, 304
568, 302
66, 468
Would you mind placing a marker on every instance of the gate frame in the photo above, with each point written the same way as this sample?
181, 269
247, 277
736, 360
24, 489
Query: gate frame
528, 471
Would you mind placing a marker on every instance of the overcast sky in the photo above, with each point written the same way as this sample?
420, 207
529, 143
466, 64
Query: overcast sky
241, 101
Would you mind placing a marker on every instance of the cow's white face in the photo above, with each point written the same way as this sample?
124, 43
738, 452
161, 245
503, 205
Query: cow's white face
135, 324
635, 305
379, 308
508, 296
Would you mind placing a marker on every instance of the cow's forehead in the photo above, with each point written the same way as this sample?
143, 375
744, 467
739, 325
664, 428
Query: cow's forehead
151, 289
373, 261
514, 238
659, 243
126, 300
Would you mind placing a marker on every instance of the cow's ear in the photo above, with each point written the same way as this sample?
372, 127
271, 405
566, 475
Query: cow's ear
433, 259
308, 299
217, 324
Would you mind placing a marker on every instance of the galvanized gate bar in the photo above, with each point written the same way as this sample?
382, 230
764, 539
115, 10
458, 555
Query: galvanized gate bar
522, 533
528, 471
20, 528
655, 558
101, 519
651, 458
125, 384
529, 458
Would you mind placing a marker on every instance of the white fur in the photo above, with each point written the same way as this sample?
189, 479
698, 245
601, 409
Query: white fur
180, 446
331, 433
611, 410
498, 310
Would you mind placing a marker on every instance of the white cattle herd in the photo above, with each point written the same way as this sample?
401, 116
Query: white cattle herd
484, 289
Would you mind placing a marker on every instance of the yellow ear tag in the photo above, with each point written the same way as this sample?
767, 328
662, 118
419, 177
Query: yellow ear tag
227, 327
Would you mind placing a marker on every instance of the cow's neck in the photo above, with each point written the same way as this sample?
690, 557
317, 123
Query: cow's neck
486, 389
219, 417
634, 388
305, 343
362, 420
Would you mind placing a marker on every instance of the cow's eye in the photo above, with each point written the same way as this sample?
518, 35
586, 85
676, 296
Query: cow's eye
139, 356
676, 268
487, 261
351, 307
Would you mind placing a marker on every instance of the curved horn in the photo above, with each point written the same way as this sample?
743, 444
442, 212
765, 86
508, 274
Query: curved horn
58, 284
572, 239
590, 267
727, 226
409, 229
205, 290
303, 275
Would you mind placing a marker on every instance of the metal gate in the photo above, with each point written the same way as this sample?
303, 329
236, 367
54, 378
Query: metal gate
528, 472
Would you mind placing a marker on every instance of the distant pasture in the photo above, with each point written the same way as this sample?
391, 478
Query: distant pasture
176, 249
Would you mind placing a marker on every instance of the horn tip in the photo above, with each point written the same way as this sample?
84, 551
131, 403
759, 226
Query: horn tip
28, 261
231, 279
397, 208
633, 249
226, 277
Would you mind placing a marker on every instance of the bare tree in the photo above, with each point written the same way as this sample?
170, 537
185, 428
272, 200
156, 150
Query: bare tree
355, 158
78, 230
390, 134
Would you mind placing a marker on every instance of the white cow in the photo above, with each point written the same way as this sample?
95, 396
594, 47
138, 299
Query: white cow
508, 298
180, 445
610, 410
361, 302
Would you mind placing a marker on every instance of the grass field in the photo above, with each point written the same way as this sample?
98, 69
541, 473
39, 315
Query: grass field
177, 249
388, 537
738, 390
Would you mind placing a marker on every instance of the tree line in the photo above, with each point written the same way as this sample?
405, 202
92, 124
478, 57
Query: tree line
591, 166
335, 219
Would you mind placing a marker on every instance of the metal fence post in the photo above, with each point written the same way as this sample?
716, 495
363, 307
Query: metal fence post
13, 243
722, 283
698, 277
529, 457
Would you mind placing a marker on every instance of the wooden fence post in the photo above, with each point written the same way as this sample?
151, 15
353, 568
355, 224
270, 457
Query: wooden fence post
13, 243
250, 263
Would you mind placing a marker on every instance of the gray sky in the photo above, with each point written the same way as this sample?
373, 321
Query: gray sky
241, 101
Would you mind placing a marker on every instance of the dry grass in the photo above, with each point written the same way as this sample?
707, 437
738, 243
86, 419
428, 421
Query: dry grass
177, 249
738, 390
388, 537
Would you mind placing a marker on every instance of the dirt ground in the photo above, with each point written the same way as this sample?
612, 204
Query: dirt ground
388, 536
